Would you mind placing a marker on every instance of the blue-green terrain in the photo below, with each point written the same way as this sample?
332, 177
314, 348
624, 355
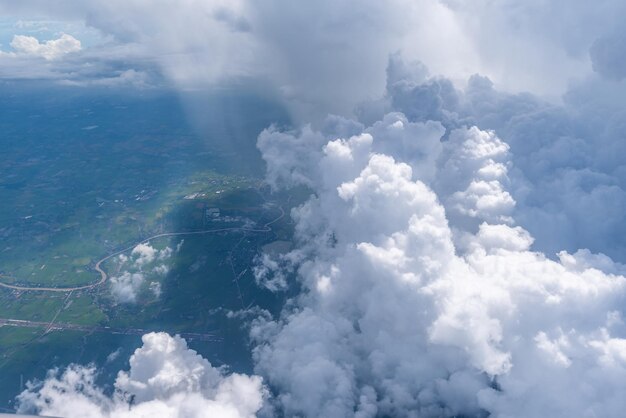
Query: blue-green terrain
87, 176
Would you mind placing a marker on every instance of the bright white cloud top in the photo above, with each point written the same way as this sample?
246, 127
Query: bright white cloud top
166, 379
410, 312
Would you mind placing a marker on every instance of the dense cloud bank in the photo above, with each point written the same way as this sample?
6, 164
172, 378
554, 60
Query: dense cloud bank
329, 55
567, 176
166, 379
423, 297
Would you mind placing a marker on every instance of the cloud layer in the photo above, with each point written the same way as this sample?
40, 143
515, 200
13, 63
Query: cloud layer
49, 50
165, 379
565, 176
423, 298
329, 56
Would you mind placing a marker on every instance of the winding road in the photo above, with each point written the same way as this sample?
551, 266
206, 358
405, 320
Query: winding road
213, 336
104, 276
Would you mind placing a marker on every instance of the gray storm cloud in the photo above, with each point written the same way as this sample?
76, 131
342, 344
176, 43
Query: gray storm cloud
566, 178
328, 56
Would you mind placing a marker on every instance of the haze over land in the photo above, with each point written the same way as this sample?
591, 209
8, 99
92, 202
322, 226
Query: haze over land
452, 174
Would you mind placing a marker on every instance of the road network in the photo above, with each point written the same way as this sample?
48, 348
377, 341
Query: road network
103, 274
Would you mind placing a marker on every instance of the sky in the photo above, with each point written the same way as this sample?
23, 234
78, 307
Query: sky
462, 252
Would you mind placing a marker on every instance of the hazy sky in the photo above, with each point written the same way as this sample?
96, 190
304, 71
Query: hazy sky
327, 55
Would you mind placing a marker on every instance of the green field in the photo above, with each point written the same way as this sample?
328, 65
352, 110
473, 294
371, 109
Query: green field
71, 197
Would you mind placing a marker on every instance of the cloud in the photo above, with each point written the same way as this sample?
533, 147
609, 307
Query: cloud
564, 177
130, 78
97, 66
144, 253
155, 287
422, 296
188, 43
165, 379
49, 50
329, 56
269, 274
607, 55
126, 286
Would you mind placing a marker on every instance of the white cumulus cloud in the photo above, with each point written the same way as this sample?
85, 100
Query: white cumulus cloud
165, 379
423, 298
126, 285
50, 50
